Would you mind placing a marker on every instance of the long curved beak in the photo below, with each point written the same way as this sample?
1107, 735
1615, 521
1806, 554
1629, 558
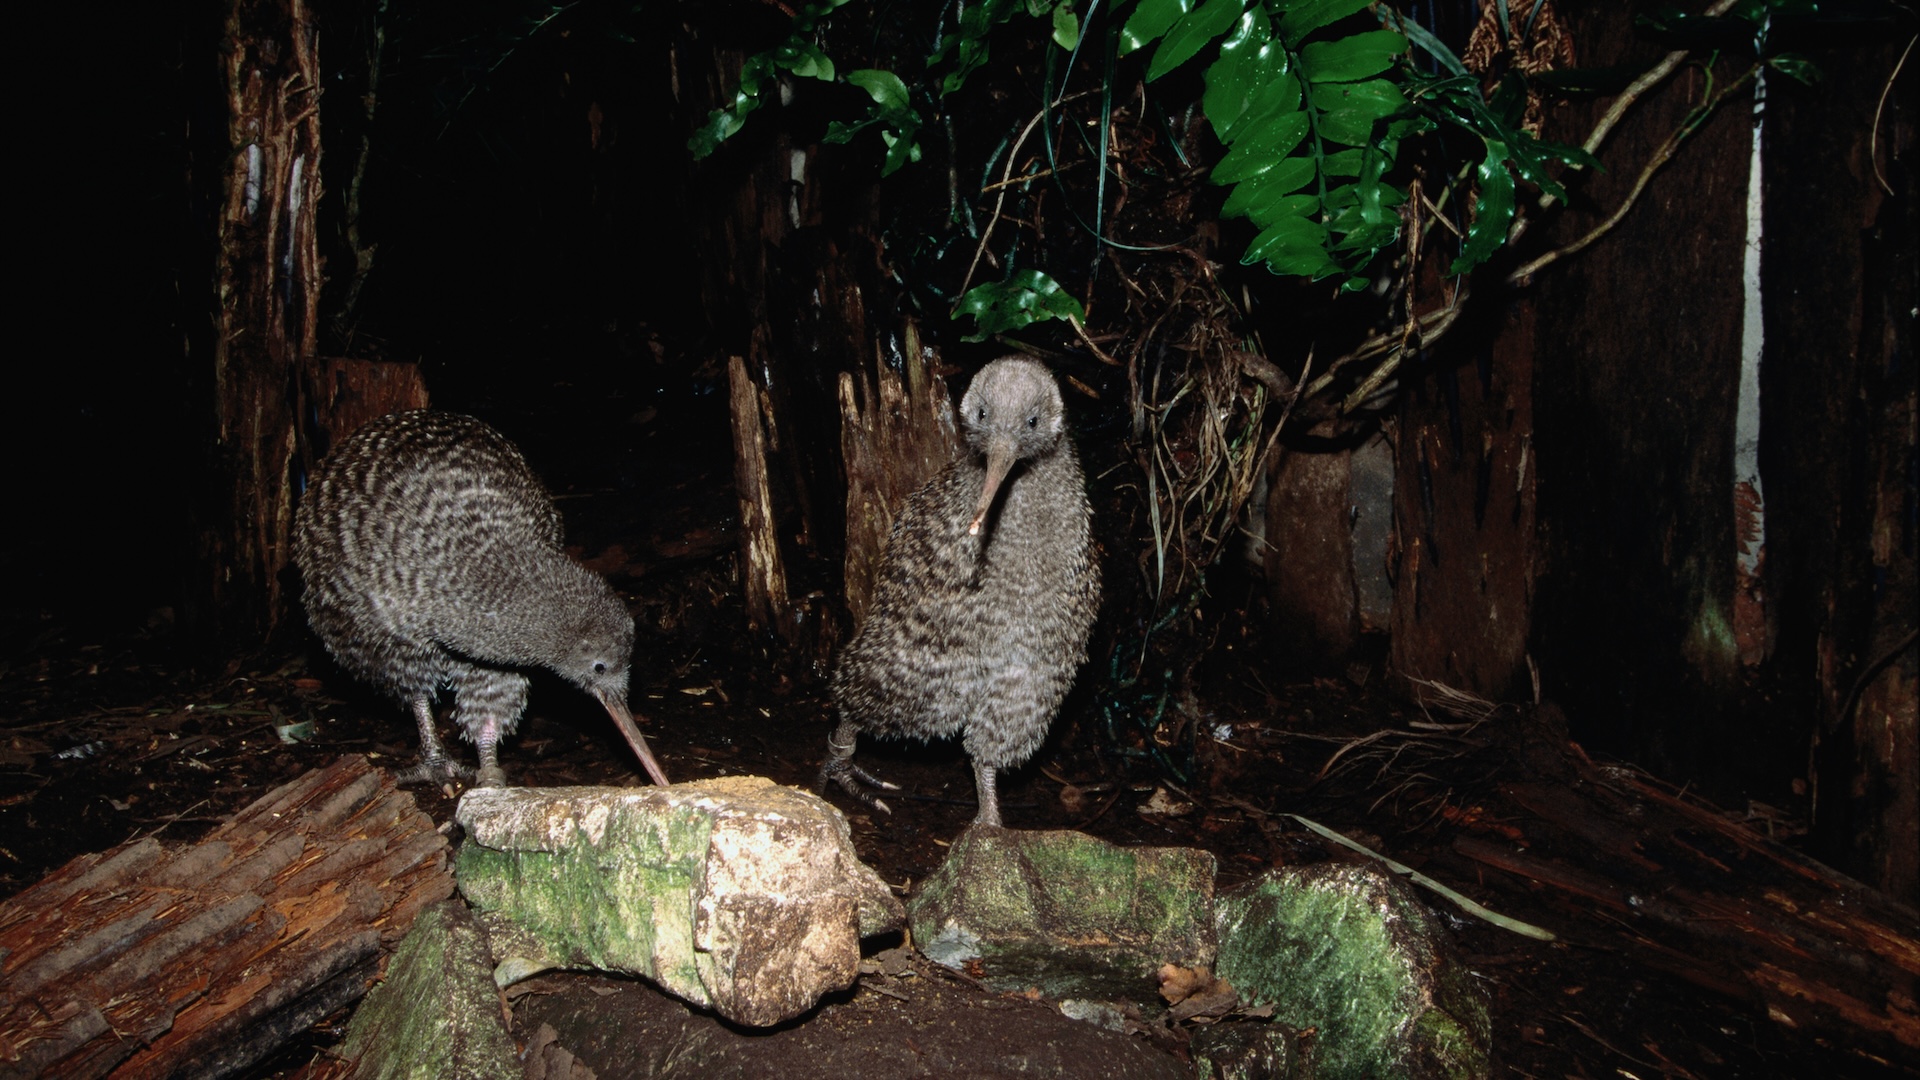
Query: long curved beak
623, 719
1000, 459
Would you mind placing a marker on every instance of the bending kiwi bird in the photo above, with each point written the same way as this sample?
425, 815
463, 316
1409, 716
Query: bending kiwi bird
985, 595
432, 559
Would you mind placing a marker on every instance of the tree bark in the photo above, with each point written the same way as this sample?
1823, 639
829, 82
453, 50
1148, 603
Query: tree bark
1635, 394
1663, 642
896, 431
1464, 509
348, 393
763, 571
267, 292
1839, 398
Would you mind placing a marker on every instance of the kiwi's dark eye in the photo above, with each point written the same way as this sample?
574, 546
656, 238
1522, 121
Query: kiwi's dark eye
983, 414
1033, 423
599, 667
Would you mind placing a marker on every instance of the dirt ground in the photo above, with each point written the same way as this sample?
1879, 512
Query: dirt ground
105, 736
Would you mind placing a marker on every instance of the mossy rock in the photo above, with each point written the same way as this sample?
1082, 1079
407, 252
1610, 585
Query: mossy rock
1064, 913
437, 1013
1349, 950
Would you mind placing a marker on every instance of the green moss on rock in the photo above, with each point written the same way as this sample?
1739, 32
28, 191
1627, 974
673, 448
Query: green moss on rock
1349, 950
1065, 913
436, 1014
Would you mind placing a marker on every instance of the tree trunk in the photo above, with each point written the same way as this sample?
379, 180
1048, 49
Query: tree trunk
896, 431
1681, 613
1635, 401
763, 570
1464, 509
793, 268
1839, 399
267, 281
348, 393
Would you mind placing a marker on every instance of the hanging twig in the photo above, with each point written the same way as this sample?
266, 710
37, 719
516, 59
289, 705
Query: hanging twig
1618, 110
1000, 189
1873, 141
1524, 275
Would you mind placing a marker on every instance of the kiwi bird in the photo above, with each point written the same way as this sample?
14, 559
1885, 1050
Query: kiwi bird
432, 560
984, 597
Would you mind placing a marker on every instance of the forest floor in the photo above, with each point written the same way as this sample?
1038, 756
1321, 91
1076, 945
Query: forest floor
104, 740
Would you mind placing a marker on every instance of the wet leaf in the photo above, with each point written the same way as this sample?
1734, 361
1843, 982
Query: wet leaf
885, 87
1293, 245
1352, 110
1351, 58
1492, 211
1150, 21
1261, 148
1304, 18
1027, 296
1270, 196
1066, 27
1194, 31
1796, 67
1247, 87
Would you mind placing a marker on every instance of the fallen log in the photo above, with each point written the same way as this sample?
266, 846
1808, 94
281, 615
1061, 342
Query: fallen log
149, 961
1719, 904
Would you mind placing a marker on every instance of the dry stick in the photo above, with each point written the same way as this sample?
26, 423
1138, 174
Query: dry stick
1080, 328
1383, 733
1433, 324
1505, 922
1000, 199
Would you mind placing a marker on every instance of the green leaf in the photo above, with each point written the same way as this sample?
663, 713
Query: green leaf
1304, 18
839, 132
1269, 197
1027, 296
1797, 67
885, 87
901, 149
1260, 146
1149, 21
1351, 58
967, 46
1066, 27
804, 59
1492, 211
796, 55
1254, 88
1344, 163
1199, 27
1363, 239
1294, 245
1423, 38
1351, 110
1247, 64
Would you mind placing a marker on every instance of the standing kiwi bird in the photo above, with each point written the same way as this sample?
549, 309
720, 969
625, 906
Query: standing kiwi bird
985, 594
432, 559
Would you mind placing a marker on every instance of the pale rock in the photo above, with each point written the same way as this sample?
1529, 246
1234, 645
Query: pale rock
735, 894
